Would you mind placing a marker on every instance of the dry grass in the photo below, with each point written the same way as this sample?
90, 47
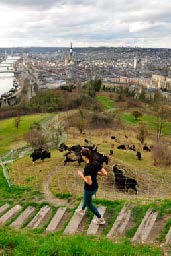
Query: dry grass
154, 182
24, 172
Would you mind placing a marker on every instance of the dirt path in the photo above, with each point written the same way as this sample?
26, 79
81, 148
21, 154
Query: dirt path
48, 196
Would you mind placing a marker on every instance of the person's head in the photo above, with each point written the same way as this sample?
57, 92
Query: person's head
86, 154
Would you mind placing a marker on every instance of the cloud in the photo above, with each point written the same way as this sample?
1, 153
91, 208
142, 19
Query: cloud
140, 26
90, 22
38, 4
44, 4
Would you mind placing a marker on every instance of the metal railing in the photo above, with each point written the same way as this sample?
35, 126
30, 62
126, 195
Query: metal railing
9, 158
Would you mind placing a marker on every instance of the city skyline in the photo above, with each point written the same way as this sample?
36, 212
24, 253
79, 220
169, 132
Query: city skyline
114, 23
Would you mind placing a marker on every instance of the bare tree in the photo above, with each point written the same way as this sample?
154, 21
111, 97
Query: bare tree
36, 138
80, 121
142, 133
17, 121
55, 131
161, 153
162, 113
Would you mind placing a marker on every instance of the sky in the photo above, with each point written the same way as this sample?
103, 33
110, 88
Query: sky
56, 23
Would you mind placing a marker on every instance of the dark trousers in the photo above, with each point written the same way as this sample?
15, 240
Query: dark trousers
88, 202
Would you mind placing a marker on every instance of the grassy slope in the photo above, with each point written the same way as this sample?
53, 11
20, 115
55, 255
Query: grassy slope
149, 120
127, 117
31, 177
16, 193
105, 101
23, 243
153, 181
142, 170
11, 137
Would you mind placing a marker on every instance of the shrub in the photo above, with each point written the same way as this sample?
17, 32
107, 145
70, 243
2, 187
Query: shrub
35, 138
142, 133
86, 102
78, 120
137, 115
101, 120
161, 154
17, 121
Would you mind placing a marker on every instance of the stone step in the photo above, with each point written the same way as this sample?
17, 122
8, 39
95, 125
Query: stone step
120, 223
4, 207
74, 222
40, 217
56, 219
168, 237
142, 234
10, 214
23, 217
145, 227
93, 228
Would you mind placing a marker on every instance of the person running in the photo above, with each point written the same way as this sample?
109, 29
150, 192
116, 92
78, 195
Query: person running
89, 175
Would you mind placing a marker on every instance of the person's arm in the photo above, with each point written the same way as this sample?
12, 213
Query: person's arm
87, 179
102, 172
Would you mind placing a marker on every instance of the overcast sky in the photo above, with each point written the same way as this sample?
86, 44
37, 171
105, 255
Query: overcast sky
144, 23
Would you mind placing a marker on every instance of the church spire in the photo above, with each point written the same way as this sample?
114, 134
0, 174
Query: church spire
71, 52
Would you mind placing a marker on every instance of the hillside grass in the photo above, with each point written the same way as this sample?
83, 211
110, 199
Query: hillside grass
29, 243
12, 137
17, 193
154, 181
149, 120
106, 101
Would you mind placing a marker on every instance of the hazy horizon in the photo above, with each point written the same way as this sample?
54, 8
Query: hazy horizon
75, 47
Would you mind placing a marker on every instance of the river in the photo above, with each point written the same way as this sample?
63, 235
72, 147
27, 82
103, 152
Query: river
6, 79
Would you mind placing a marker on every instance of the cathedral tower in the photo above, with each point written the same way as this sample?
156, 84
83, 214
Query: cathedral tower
70, 52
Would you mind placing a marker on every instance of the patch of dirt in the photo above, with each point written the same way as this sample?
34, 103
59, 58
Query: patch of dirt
83, 224
166, 250
45, 220
48, 196
130, 225
157, 229
64, 219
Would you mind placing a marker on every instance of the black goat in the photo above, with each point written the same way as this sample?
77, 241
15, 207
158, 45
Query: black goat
122, 146
146, 148
62, 147
74, 154
122, 181
138, 155
40, 154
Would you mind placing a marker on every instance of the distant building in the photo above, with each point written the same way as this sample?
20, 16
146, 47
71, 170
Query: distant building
137, 63
69, 60
70, 52
54, 85
161, 82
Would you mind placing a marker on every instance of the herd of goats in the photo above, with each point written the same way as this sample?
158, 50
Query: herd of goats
73, 154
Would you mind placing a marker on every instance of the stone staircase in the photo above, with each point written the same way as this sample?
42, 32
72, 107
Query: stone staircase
31, 218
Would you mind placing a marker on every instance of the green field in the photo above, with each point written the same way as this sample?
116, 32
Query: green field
12, 137
150, 121
106, 102
24, 244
